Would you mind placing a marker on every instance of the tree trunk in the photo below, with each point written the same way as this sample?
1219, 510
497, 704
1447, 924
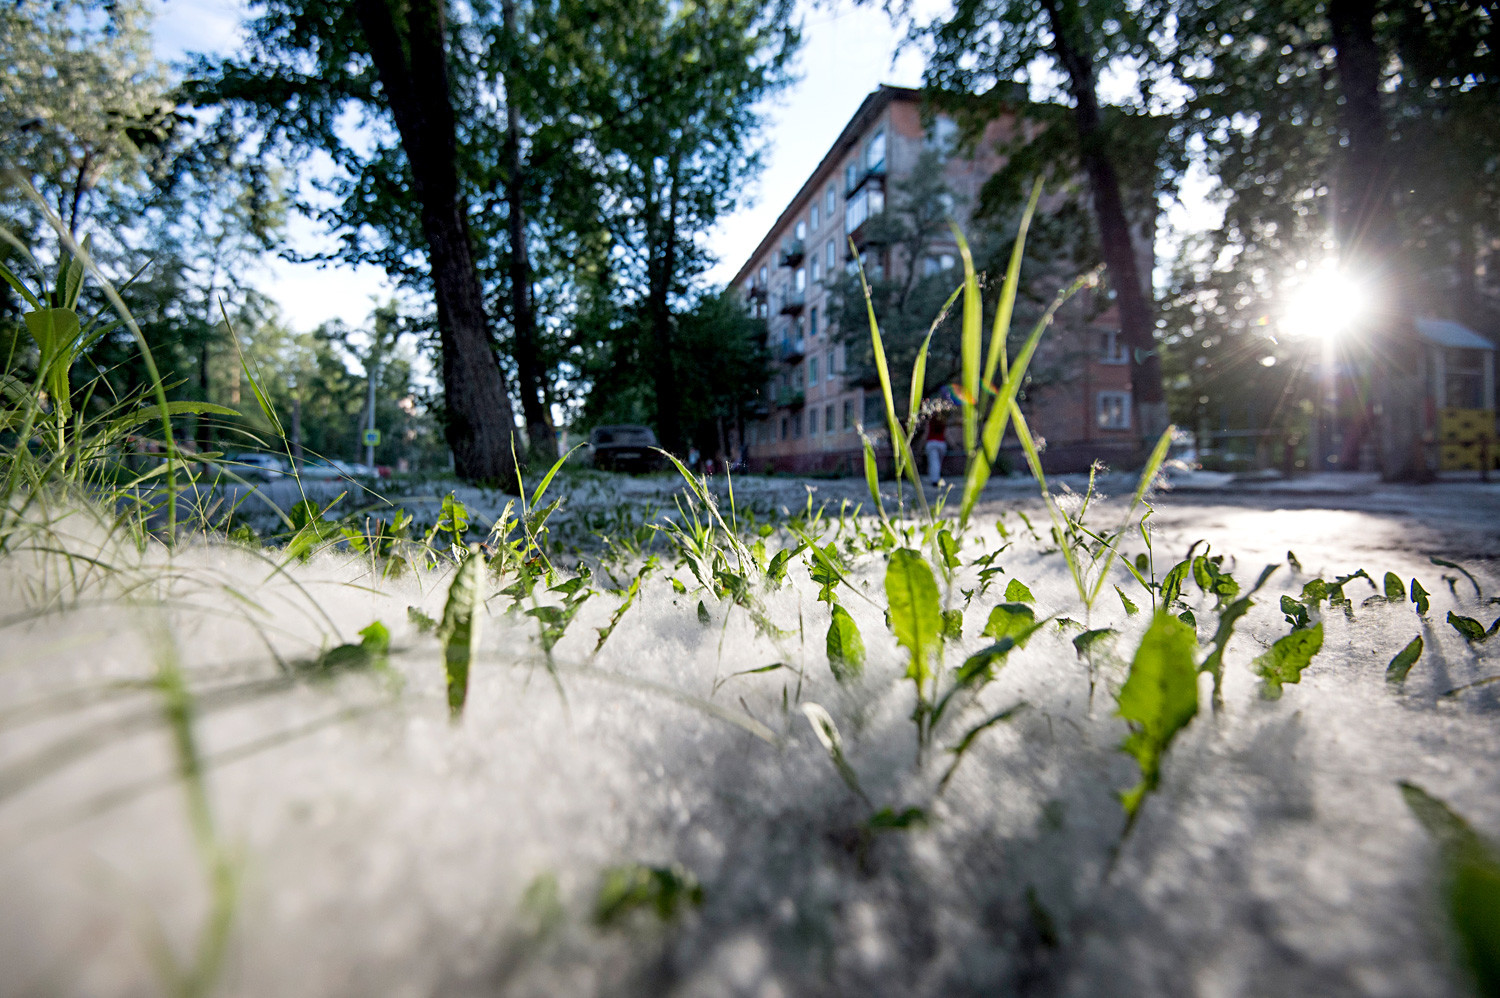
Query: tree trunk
413, 71
539, 429
662, 266
1137, 317
1369, 246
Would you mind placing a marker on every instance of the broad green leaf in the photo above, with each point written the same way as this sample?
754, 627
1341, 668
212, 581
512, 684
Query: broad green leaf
916, 617
949, 547
678, 587
1296, 613
1394, 590
1085, 642
1284, 661
1159, 698
1172, 582
454, 518
1419, 597
420, 620
1016, 592
1471, 629
1291, 560
1130, 608
846, 648
665, 890
889, 820
372, 652
1010, 619
459, 631
1314, 591
703, 617
1404, 660
1471, 884
953, 625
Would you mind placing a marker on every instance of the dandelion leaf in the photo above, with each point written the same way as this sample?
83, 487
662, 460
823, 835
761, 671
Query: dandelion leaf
1284, 661
1404, 660
1016, 592
1159, 698
915, 615
846, 648
459, 630
1010, 620
1471, 875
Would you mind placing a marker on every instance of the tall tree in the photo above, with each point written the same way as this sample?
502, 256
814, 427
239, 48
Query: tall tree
993, 45
1361, 129
674, 135
301, 71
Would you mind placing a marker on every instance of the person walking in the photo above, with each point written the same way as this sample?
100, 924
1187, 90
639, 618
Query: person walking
937, 446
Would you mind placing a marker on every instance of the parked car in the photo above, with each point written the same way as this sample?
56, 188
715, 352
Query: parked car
326, 470
623, 448
263, 467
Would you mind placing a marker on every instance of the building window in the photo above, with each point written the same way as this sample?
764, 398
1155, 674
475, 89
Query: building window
812, 422
801, 282
801, 231
851, 176
812, 371
817, 269
812, 322
848, 414
831, 254
1111, 349
942, 135
830, 365
783, 428
797, 426
828, 419
830, 201
937, 264
762, 277
1114, 410
875, 152
812, 217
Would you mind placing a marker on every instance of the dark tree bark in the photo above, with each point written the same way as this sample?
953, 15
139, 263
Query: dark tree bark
662, 268
1137, 317
413, 70
539, 429
1369, 243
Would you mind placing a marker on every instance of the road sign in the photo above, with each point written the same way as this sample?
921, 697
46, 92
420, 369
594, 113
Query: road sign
372, 438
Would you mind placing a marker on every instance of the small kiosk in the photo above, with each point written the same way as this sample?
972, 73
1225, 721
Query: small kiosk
1461, 394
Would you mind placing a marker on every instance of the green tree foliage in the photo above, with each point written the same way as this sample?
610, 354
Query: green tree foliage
300, 72
991, 48
675, 131
1394, 174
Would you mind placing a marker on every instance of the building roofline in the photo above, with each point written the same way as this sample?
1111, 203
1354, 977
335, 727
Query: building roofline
874, 103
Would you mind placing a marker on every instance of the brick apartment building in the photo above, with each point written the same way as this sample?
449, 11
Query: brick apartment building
809, 412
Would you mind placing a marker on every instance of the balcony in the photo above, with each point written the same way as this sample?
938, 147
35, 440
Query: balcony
792, 253
757, 293
793, 302
790, 398
870, 173
789, 350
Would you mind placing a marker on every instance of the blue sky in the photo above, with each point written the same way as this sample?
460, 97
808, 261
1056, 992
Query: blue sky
847, 52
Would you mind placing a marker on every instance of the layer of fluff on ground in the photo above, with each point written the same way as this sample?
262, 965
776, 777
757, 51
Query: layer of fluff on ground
381, 849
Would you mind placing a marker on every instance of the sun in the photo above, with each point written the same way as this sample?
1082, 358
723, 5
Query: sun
1325, 304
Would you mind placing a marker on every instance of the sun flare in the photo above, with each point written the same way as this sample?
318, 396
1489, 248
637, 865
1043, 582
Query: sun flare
1327, 303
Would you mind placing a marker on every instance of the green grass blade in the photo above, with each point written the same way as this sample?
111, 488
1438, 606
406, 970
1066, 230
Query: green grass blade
1005, 308
982, 462
969, 342
541, 489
